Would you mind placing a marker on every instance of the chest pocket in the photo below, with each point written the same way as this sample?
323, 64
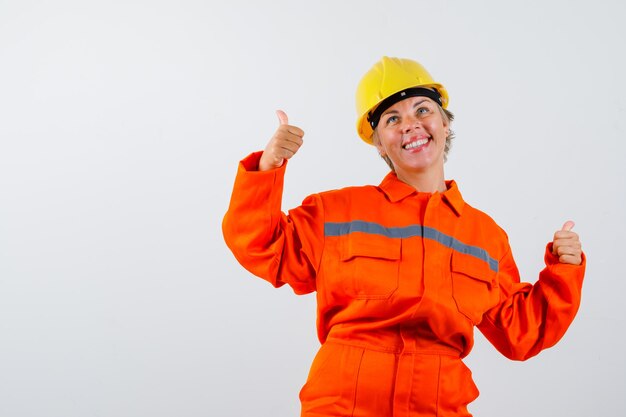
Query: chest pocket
474, 286
370, 266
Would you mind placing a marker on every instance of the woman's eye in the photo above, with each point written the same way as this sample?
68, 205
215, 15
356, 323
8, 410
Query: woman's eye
422, 110
392, 119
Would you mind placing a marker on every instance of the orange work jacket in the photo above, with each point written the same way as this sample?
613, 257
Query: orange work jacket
401, 280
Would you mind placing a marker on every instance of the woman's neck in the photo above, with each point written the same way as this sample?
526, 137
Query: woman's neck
425, 182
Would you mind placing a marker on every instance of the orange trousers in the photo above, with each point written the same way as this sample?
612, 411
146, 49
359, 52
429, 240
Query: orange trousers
353, 381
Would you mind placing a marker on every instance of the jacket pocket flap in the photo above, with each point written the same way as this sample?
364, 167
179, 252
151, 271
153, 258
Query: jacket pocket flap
371, 247
474, 267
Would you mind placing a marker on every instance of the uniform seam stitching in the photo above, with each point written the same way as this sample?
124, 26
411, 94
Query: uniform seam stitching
319, 261
438, 385
356, 383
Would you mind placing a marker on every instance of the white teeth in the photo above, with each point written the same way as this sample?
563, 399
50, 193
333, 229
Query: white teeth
416, 144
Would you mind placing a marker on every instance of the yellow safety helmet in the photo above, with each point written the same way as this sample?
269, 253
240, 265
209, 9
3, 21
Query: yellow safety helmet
391, 80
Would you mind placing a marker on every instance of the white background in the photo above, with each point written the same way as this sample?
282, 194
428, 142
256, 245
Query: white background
121, 125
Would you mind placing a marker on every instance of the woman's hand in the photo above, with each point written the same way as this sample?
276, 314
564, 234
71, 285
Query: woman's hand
566, 245
283, 145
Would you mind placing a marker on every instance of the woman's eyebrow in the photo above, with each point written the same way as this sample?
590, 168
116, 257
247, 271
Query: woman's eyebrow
419, 102
388, 112
396, 111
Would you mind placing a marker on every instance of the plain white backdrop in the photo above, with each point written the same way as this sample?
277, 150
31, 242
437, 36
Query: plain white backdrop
121, 126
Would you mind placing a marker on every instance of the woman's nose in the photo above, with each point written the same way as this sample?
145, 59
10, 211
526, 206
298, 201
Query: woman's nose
410, 124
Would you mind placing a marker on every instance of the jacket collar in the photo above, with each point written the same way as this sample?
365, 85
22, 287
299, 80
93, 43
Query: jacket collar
397, 190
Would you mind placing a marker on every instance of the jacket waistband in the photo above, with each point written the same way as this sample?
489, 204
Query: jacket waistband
400, 339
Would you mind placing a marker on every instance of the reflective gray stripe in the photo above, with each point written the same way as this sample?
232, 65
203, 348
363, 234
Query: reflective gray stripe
340, 229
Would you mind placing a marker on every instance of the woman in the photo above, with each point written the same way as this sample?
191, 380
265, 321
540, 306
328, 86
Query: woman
403, 271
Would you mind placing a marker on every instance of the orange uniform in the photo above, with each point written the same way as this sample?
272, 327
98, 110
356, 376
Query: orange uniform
401, 278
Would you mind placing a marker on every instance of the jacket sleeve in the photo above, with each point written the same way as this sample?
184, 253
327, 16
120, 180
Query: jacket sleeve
530, 318
280, 248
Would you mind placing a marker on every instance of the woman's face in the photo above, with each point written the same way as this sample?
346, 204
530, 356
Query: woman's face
412, 133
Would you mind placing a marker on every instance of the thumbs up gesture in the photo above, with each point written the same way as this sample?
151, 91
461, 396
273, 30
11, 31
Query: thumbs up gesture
566, 245
283, 145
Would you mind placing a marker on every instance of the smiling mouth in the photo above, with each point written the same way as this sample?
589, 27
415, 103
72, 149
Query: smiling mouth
416, 144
